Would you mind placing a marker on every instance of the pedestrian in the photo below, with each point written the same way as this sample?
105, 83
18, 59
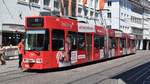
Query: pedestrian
21, 51
2, 53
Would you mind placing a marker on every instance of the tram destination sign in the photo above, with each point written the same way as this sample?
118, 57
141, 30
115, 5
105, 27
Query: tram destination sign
35, 22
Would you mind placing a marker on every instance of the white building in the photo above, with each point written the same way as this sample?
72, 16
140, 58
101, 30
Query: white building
132, 17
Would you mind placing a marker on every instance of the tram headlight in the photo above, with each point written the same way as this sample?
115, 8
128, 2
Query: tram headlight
38, 60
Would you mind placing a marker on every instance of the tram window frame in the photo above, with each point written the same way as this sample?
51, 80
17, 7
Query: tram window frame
100, 41
121, 43
81, 41
73, 38
58, 35
47, 42
96, 41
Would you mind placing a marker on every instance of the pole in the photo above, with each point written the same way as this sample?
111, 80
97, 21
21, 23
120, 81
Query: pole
41, 5
70, 7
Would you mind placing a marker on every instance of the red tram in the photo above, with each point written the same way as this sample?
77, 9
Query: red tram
53, 42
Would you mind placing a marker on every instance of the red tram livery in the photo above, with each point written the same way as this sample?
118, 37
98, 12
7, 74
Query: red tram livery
53, 42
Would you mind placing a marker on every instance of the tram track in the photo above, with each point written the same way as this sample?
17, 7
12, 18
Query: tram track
101, 73
14, 75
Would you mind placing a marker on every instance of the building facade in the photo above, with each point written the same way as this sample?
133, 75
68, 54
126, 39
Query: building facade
130, 16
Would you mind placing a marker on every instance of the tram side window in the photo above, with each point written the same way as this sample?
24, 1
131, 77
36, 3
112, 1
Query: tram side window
101, 42
113, 45
57, 40
98, 41
73, 38
81, 41
123, 44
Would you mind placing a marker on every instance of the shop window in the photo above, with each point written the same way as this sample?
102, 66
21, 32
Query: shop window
11, 38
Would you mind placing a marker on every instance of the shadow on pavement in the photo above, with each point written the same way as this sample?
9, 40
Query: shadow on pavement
137, 75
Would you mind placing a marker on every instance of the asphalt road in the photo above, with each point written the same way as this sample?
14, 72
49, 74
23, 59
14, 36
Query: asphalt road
108, 72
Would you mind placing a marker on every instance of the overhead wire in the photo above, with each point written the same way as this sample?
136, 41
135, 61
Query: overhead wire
8, 10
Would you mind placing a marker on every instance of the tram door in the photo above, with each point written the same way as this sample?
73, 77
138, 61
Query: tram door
89, 46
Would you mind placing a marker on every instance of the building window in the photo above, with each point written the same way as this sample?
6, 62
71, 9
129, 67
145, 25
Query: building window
109, 3
96, 15
34, 1
91, 13
46, 2
108, 26
120, 27
108, 15
85, 11
79, 11
56, 4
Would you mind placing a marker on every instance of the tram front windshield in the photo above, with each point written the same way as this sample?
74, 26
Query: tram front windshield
36, 40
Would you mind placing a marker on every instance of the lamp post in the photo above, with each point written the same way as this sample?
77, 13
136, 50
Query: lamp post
103, 22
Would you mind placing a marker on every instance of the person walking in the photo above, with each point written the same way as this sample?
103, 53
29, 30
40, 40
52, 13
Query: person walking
21, 51
2, 53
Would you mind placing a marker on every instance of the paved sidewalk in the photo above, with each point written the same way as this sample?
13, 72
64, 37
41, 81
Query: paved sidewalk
9, 66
